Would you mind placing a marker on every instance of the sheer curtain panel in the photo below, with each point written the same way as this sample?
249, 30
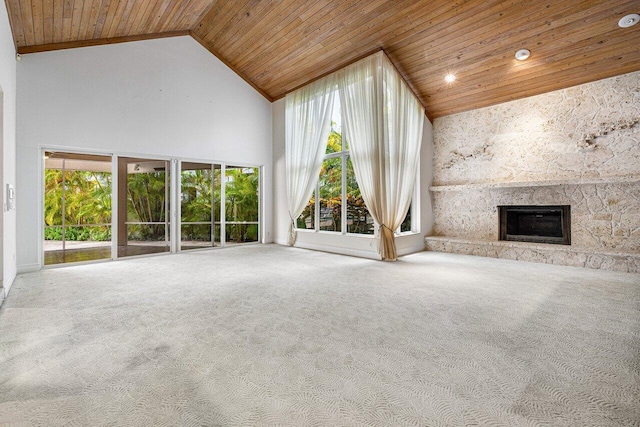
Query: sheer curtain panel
383, 122
307, 122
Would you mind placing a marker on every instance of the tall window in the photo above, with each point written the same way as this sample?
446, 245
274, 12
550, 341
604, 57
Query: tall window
341, 207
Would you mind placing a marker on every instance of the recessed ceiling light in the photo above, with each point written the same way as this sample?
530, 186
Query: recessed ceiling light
523, 54
629, 20
449, 78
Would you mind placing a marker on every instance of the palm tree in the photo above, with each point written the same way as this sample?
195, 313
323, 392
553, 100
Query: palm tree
87, 200
196, 203
146, 203
241, 193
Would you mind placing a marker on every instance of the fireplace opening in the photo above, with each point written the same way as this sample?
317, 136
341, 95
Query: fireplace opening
537, 224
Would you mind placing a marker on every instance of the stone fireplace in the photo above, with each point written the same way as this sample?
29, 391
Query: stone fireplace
576, 148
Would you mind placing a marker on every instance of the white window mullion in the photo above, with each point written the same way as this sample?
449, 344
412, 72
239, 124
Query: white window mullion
344, 192
213, 205
223, 204
316, 216
175, 206
260, 216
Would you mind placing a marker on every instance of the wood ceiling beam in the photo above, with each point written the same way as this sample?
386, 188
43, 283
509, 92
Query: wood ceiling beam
95, 42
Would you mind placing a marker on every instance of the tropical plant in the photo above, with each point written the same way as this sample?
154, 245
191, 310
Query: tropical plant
146, 197
87, 201
242, 203
196, 203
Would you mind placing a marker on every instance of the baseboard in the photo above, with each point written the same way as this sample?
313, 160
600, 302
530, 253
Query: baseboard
28, 268
338, 250
353, 252
6, 288
411, 250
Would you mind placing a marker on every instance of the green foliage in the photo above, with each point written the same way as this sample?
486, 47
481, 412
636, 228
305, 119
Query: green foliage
242, 203
73, 233
87, 200
199, 233
406, 224
196, 204
146, 197
334, 142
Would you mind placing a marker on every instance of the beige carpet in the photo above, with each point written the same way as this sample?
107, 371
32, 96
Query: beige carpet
268, 335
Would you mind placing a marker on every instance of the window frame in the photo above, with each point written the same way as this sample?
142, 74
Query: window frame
342, 155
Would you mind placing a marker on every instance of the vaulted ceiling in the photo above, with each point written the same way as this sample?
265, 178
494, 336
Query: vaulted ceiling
278, 46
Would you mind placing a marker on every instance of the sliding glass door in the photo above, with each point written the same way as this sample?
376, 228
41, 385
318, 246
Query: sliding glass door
199, 205
77, 207
143, 206
219, 205
217, 215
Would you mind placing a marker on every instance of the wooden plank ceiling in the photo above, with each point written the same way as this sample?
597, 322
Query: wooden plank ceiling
279, 45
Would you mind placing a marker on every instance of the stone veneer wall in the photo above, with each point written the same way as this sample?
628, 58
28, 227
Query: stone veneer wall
577, 146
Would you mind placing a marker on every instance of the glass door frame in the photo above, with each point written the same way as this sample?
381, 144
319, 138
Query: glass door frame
170, 216
178, 203
223, 201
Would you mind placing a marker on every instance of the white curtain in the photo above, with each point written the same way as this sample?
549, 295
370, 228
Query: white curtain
307, 121
383, 123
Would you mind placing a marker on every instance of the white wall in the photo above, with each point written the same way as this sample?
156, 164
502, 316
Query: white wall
364, 246
8, 88
165, 97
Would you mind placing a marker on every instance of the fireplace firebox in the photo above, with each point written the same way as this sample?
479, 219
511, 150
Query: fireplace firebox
536, 224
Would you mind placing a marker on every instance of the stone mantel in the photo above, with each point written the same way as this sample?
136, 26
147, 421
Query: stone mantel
629, 179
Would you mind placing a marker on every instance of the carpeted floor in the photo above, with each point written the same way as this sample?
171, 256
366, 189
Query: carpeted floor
269, 335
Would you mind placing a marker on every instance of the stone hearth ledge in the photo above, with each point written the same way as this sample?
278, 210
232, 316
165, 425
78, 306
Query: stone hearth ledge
544, 253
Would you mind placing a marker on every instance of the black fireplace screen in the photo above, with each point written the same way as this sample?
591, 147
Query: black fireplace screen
537, 224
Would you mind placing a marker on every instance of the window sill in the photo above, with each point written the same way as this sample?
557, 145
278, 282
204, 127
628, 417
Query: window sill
407, 233
369, 236
335, 233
